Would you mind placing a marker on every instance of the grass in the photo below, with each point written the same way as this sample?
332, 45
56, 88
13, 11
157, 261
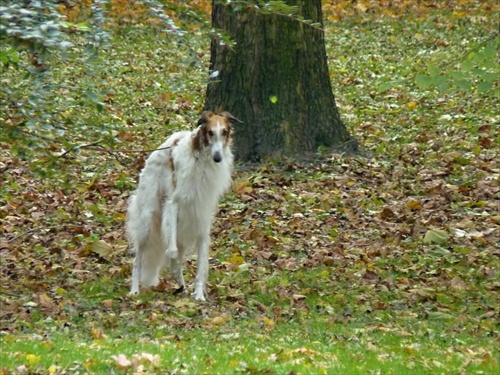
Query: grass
318, 267
309, 344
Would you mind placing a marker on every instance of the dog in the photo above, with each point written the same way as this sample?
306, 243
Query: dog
170, 214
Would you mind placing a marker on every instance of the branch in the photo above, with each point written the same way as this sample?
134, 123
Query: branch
95, 146
474, 49
78, 147
444, 65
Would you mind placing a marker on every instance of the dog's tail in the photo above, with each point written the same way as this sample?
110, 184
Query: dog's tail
143, 232
153, 259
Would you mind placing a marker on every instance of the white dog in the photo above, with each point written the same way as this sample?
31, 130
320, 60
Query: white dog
170, 215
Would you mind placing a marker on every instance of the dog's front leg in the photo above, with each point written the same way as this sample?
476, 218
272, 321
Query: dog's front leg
170, 229
202, 269
136, 273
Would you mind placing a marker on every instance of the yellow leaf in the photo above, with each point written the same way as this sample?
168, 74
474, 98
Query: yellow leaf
412, 105
268, 322
98, 334
61, 291
90, 184
414, 204
236, 259
242, 187
89, 363
33, 359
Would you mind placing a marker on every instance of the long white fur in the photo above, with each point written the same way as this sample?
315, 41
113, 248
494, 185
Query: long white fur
170, 215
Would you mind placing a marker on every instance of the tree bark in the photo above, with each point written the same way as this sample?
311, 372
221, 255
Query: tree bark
275, 79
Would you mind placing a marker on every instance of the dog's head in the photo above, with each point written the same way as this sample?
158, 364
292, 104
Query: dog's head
215, 133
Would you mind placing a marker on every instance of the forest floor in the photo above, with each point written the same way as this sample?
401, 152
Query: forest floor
342, 264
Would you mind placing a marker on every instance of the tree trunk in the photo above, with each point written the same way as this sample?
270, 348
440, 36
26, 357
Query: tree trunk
275, 79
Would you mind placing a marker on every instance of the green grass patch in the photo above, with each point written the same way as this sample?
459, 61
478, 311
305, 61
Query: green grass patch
311, 344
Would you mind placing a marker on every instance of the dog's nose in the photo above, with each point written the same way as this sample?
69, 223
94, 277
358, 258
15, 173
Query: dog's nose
217, 157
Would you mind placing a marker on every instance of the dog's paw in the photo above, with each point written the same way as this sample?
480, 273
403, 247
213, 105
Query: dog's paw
180, 290
172, 254
199, 295
133, 292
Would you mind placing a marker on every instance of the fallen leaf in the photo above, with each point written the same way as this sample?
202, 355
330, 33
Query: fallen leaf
458, 284
20, 369
98, 334
46, 304
220, 320
33, 359
360, 7
242, 187
236, 259
411, 105
121, 361
386, 213
436, 236
102, 248
438, 315
288, 264
269, 323
147, 358
108, 303
486, 142
414, 204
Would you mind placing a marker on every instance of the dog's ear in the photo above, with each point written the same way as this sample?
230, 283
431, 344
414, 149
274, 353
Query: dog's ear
229, 117
205, 116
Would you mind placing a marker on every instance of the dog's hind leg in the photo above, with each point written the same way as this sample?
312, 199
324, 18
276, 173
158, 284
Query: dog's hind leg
175, 267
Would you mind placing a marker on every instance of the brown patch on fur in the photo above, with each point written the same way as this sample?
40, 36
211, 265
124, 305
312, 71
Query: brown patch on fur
174, 182
171, 164
171, 156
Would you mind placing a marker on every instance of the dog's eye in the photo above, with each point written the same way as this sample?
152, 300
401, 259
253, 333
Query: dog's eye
210, 133
225, 132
